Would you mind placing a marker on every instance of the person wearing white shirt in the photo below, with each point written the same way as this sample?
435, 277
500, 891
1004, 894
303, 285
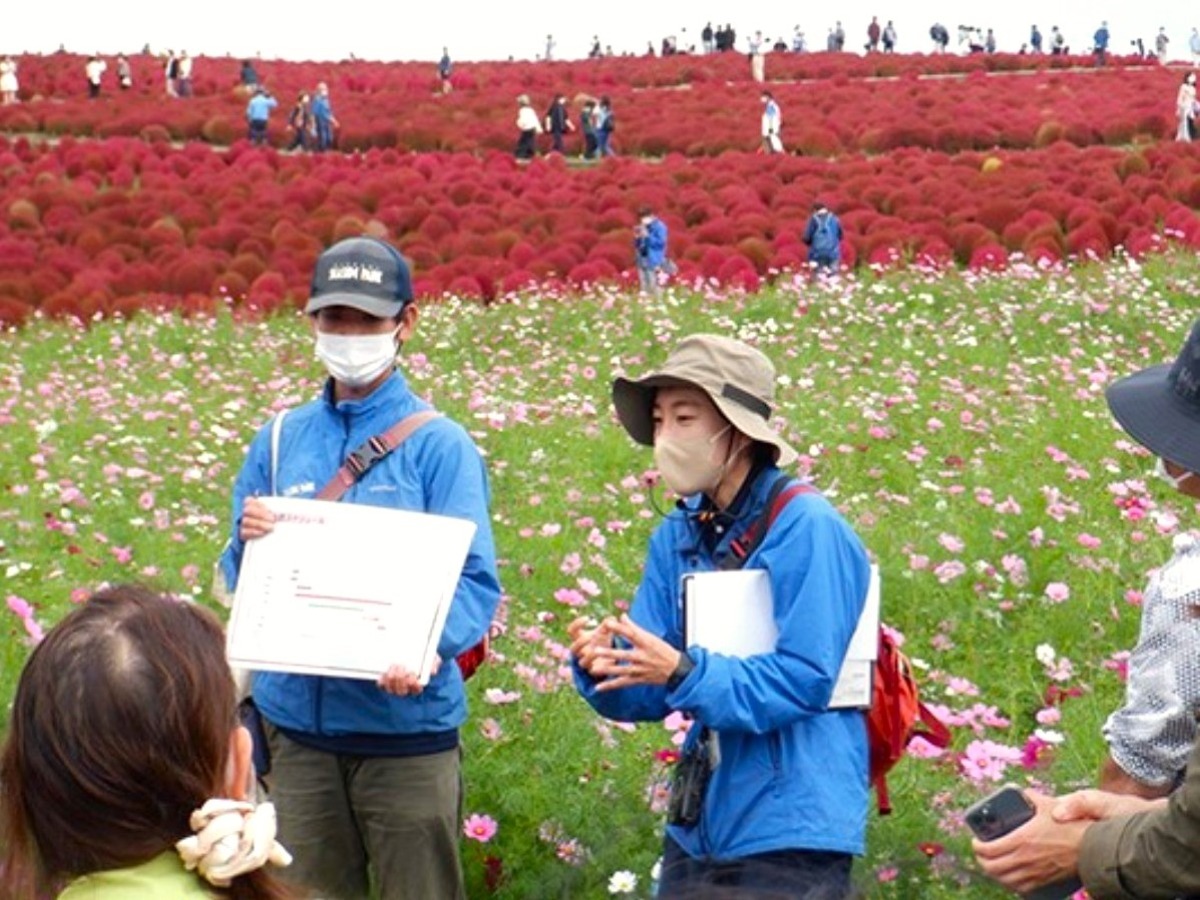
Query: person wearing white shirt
94, 68
529, 126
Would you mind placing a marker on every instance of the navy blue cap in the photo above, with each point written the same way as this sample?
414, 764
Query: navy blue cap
1160, 406
364, 273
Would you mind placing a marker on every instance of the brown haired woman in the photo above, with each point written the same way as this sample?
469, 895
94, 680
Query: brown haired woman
123, 730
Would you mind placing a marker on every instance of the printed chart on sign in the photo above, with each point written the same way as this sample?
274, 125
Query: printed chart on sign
346, 590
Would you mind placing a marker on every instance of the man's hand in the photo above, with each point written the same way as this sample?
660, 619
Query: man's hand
1093, 805
257, 520
1041, 851
399, 681
648, 659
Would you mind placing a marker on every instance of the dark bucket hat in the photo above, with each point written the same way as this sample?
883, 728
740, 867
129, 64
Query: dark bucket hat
1159, 407
738, 379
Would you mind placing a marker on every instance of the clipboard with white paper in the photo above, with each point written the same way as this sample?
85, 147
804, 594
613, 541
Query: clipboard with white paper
346, 590
733, 613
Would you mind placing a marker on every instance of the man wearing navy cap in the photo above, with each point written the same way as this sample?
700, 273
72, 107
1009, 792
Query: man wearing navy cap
366, 777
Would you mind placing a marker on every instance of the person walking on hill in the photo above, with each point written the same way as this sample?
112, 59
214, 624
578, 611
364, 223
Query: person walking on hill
823, 235
528, 128
1194, 46
1100, 44
323, 118
301, 122
758, 58
1161, 41
94, 69
558, 122
1185, 108
587, 126
1035, 39
258, 113
706, 38
124, 72
184, 82
171, 74
650, 246
772, 122
445, 67
889, 37
606, 124
874, 33
8, 81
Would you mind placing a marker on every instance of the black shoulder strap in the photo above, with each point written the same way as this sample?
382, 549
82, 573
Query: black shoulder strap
782, 491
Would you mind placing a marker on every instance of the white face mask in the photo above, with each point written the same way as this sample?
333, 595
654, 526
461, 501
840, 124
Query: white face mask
1175, 481
356, 359
687, 464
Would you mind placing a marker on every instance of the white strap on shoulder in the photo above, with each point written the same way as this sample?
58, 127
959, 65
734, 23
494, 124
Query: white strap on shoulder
276, 431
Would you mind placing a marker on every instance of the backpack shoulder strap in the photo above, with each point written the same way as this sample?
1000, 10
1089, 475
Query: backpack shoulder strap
360, 461
276, 431
780, 494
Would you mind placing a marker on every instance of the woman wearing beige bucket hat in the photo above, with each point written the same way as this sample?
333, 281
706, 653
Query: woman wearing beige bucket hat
771, 791
1128, 839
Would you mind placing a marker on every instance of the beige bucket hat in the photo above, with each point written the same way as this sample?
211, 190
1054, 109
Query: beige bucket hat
738, 379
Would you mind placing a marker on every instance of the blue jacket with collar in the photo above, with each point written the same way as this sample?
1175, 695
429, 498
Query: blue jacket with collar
792, 773
437, 470
652, 246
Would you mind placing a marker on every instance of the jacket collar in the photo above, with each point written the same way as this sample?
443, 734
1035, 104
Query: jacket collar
393, 393
746, 506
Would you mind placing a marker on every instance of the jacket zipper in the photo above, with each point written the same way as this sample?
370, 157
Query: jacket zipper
318, 711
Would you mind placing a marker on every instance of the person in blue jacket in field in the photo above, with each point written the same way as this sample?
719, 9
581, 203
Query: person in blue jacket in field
823, 235
366, 776
770, 793
650, 245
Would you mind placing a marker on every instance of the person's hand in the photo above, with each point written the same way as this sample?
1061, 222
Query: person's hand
647, 660
401, 682
1041, 851
257, 520
1093, 805
587, 636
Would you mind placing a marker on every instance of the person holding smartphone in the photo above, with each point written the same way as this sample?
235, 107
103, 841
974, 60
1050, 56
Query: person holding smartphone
1122, 845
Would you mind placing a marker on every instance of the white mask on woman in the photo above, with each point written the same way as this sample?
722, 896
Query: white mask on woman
356, 359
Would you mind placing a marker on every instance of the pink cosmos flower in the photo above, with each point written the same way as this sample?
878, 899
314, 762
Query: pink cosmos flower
569, 597
1057, 592
951, 543
480, 828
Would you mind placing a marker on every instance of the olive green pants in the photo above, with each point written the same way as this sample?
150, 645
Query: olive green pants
353, 821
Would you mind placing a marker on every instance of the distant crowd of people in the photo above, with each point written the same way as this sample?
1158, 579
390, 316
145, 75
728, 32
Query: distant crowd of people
884, 38
597, 122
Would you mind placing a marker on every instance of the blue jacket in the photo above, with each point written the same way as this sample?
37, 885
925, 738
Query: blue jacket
437, 470
322, 110
792, 773
259, 108
652, 248
823, 235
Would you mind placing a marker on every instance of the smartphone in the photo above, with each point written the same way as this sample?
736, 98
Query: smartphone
1002, 812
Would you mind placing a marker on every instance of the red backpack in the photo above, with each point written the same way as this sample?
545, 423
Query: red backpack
896, 714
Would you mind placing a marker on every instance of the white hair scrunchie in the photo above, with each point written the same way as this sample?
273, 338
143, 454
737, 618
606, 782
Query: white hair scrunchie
231, 838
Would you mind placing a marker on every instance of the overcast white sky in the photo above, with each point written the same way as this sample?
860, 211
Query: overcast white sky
485, 29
